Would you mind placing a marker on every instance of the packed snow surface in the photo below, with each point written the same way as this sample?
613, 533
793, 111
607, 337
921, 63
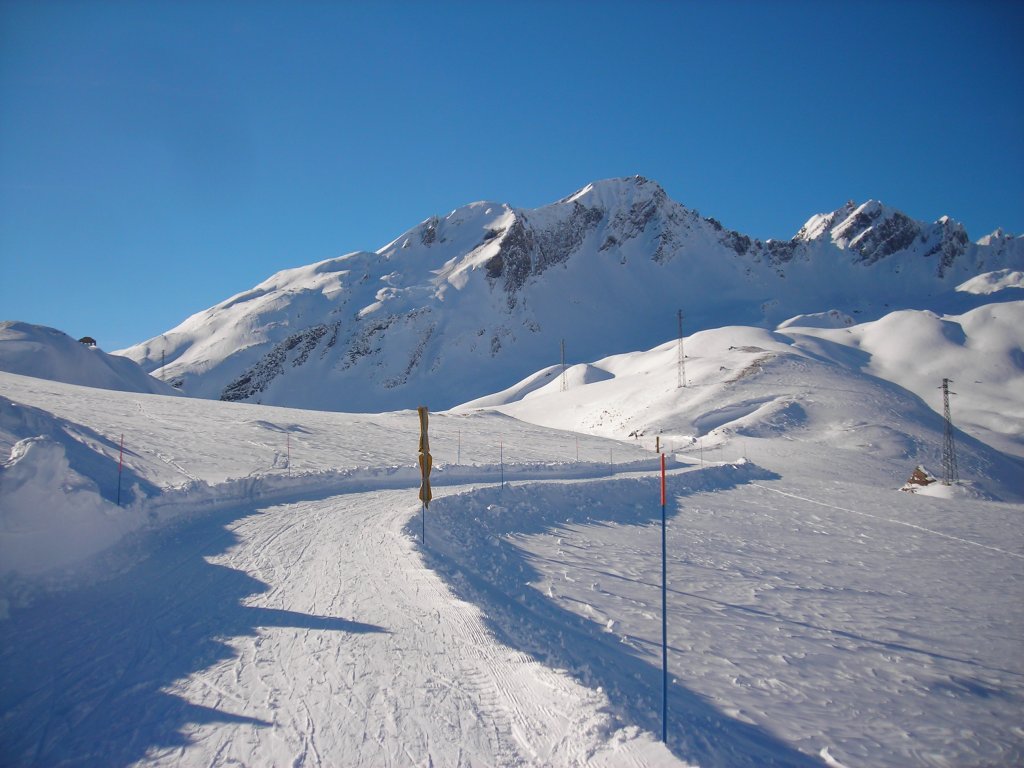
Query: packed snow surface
269, 600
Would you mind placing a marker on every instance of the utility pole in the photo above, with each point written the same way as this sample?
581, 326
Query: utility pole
565, 383
681, 368
163, 364
950, 473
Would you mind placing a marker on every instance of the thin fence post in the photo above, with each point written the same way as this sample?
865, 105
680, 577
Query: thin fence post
664, 613
120, 466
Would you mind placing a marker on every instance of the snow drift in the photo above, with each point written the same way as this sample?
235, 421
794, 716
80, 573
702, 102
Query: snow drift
52, 516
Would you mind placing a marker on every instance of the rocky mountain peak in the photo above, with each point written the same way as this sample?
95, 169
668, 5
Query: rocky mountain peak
612, 193
875, 231
460, 305
821, 224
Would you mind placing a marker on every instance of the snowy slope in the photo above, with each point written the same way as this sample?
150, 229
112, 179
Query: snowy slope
289, 614
492, 289
981, 351
46, 353
993, 282
872, 387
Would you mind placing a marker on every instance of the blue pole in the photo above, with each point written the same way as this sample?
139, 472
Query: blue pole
664, 614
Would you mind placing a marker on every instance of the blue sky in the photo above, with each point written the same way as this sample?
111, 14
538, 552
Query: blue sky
156, 158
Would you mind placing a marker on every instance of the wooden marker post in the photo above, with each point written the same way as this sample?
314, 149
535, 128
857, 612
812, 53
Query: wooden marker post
425, 463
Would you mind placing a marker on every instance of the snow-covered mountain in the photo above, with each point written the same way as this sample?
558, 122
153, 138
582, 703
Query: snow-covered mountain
46, 353
462, 306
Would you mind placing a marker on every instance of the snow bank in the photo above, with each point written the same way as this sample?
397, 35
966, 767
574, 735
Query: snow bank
199, 497
51, 516
480, 515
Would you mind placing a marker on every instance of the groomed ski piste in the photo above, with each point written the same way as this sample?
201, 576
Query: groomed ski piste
262, 596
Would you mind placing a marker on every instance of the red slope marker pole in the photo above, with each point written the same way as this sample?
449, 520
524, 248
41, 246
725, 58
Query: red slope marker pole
664, 614
120, 465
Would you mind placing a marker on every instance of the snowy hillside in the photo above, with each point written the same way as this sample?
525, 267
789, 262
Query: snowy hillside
881, 376
261, 595
493, 290
46, 353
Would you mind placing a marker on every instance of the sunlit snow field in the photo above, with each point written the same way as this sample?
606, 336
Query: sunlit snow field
263, 597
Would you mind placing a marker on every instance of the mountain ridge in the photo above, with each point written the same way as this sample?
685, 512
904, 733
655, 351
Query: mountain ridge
463, 305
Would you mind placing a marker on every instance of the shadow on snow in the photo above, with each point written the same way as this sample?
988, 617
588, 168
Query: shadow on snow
466, 547
84, 675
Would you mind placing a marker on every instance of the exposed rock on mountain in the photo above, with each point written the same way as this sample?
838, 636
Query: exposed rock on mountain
466, 304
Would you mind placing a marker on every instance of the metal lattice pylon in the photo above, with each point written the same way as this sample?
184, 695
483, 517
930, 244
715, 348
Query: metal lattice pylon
950, 473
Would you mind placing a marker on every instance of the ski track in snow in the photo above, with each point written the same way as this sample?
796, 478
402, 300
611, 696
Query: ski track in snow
305, 634
312, 633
